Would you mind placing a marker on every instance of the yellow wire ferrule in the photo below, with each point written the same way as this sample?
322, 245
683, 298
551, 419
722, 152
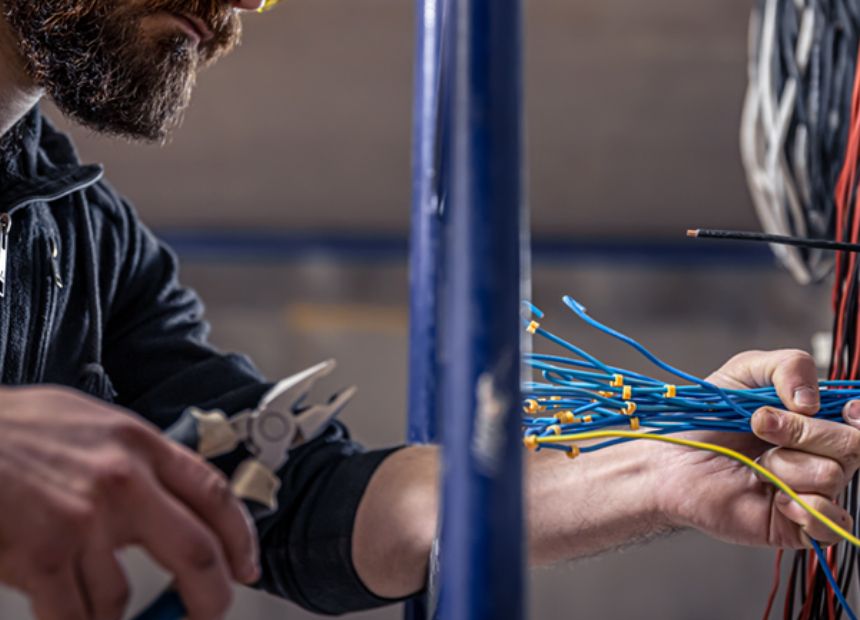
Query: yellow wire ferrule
531, 406
617, 380
565, 417
627, 392
671, 391
573, 452
530, 442
629, 408
533, 327
634, 424
605, 394
587, 418
555, 428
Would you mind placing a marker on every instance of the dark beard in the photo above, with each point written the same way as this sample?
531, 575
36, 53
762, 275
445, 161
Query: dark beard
93, 60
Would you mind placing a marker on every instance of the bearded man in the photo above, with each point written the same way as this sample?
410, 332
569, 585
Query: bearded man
101, 346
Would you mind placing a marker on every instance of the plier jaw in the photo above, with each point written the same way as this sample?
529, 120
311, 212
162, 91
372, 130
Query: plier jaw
281, 422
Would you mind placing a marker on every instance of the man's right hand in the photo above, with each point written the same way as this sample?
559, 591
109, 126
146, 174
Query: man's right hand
80, 479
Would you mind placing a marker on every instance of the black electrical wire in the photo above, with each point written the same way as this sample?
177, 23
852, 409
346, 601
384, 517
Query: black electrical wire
802, 242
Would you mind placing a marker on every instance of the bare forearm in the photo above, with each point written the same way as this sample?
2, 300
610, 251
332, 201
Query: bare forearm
574, 508
597, 502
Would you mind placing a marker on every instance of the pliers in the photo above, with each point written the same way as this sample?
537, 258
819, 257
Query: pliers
280, 422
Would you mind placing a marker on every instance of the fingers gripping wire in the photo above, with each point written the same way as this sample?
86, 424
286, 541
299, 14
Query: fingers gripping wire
708, 447
583, 399
579, 404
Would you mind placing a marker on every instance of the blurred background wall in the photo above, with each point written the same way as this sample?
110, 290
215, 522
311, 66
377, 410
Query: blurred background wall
286, 193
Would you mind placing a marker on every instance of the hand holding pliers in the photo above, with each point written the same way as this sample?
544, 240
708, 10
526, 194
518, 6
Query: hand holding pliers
282, 421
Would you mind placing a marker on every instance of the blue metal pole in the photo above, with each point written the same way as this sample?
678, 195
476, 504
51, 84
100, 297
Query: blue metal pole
482, 546
425, 255
425, 250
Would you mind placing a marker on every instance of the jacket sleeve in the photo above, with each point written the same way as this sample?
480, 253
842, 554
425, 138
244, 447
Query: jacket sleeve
159, 361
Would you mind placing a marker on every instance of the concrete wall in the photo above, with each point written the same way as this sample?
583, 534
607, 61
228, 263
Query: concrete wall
633, 111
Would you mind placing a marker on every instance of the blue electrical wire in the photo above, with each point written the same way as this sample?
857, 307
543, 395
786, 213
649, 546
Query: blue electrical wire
825, 567
581, 393
580, 311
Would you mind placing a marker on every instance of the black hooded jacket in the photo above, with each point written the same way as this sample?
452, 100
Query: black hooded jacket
91, 300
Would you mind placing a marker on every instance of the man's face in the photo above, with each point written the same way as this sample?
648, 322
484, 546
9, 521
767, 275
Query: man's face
124, 67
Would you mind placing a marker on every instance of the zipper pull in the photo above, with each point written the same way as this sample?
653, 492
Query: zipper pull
55, 267
5, 226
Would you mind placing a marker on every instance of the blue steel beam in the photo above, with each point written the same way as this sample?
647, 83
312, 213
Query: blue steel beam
482, 543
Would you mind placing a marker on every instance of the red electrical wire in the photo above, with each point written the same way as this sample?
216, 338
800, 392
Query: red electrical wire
831, 596
845, 187
846, 195
847, 176
806, 610
845, 275
789, 591
777, 572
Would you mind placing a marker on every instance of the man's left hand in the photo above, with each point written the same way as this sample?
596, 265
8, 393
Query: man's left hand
815, 457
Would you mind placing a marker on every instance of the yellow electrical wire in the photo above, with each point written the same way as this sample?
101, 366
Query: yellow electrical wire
533, 441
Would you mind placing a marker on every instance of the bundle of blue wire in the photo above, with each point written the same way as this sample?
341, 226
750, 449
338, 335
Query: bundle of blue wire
579, 393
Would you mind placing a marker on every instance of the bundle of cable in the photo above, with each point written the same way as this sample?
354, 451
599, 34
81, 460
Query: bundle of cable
580, 404
795, 127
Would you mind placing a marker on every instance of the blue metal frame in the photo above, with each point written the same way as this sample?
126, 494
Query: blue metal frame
425, 257
466, 270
